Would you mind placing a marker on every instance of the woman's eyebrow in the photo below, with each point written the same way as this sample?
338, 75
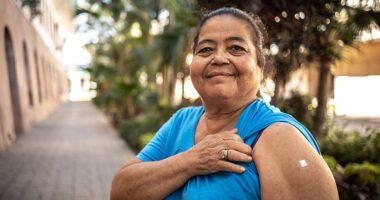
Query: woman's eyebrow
205, 41
233, 39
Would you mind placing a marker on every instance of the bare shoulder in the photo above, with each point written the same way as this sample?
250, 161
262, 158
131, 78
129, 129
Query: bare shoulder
289, 167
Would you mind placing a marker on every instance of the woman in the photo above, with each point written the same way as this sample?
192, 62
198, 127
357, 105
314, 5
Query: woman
235, 146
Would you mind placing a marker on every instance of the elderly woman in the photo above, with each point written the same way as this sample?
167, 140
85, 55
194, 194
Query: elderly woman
235, 146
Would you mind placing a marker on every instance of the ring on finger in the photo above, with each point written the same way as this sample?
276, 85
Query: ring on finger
224, 154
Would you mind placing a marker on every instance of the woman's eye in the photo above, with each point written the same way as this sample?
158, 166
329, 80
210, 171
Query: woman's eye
204, 50
237, 48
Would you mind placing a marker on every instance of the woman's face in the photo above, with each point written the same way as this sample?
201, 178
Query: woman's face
224, 65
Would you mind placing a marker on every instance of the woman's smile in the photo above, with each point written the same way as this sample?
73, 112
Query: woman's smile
219, 74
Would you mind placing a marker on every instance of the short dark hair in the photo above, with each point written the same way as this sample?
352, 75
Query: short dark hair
259, 34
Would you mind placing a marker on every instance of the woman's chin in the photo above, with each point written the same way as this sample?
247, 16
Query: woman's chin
220, 95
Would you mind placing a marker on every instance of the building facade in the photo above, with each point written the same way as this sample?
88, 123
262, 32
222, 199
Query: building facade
32, 75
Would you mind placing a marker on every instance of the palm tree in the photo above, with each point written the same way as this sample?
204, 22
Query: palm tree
121, 56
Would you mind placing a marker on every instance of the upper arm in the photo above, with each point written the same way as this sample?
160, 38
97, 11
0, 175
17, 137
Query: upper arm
280, 156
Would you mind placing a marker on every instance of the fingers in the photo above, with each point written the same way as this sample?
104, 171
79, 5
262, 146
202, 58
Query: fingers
231, 167
238, 146
230, 135
238, 156
219, 152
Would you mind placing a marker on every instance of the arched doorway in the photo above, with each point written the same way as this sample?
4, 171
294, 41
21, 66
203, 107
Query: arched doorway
28, 74
13, 83
38, 75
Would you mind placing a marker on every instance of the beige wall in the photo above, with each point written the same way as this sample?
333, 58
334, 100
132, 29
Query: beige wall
52, 75
363, 60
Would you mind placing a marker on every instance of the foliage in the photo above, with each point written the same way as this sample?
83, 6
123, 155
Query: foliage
133, 130
299, 106
119, 100
138, 131
138, 37
33, 5
356, 180
363, 181
352, 147
331, 162
353, 159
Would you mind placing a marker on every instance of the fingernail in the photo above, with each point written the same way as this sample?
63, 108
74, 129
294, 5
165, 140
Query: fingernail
249, 158
242, 169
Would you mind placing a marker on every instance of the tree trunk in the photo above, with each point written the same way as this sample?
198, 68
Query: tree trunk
278, 91
323, 96
165, 87
168, 86
172, 83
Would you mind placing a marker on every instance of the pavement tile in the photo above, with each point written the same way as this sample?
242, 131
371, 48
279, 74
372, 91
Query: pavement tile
73, 154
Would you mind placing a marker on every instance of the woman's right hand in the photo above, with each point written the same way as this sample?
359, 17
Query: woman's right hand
207, 155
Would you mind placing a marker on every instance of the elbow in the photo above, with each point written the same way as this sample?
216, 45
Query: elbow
123, 187
117, 187
123, 184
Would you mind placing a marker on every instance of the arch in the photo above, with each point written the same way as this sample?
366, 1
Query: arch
38, 75
44, 78
13, 82
28, 74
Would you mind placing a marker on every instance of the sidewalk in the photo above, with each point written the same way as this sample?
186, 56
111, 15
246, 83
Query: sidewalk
72, 155
360, 124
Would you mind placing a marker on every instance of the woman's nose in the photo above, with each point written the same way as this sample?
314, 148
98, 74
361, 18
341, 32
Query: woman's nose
220, 58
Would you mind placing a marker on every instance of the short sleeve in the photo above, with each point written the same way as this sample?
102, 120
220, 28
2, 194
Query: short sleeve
155, 149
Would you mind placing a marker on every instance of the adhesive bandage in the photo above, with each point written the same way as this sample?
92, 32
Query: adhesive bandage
302, 163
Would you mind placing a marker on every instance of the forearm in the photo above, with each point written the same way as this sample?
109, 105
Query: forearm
151, 180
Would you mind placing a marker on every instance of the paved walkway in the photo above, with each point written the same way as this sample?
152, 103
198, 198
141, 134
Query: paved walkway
70, 156
360, 124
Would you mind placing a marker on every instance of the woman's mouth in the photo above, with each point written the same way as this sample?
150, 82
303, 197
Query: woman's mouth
219, 74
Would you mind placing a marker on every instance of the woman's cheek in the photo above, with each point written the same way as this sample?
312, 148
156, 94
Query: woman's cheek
196, 68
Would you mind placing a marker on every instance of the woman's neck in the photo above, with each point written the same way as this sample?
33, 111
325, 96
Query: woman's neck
221, 118
222, 108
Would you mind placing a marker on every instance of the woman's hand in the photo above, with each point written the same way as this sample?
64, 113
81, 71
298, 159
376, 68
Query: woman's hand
207, 155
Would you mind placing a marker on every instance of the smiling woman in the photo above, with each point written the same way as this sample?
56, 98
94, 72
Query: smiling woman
224, 66
234, 146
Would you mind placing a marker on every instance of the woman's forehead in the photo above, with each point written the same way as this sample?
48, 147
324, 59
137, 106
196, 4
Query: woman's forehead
225, 26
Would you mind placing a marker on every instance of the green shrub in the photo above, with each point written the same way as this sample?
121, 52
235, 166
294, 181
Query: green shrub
353, 159
331, 162
132, 130
145, 138
137, 132
360, 181
299, 106
351, 147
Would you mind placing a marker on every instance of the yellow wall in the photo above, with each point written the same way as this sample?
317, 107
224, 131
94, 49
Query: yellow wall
362, 60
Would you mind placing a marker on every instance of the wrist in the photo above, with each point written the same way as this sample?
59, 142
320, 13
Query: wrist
188, 163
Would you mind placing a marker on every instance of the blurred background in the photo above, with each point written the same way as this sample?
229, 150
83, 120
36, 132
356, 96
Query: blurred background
130, 58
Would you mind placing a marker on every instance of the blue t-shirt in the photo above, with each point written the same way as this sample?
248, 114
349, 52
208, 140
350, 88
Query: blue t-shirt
177, 135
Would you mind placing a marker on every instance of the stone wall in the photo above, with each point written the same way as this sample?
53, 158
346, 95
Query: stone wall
32, 77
